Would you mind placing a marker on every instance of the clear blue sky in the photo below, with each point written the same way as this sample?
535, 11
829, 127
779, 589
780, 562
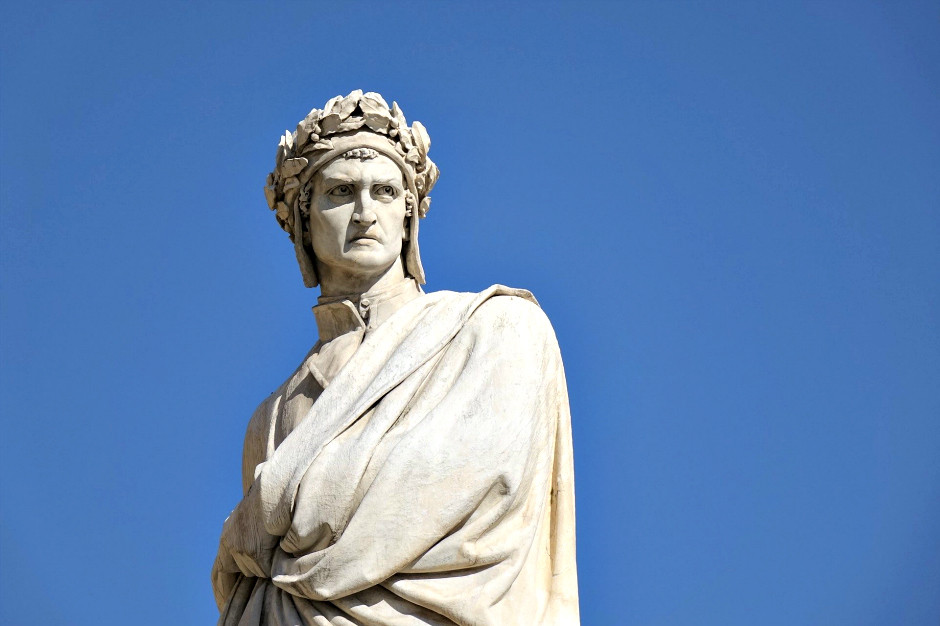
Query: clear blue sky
730, 212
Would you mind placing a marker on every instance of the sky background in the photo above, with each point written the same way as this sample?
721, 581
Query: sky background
729, 211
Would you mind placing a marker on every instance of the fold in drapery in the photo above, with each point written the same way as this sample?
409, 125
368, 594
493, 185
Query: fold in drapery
429, 483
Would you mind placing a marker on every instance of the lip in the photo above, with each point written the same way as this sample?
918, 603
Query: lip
362, 238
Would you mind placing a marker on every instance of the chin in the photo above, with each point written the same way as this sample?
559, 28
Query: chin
368, 260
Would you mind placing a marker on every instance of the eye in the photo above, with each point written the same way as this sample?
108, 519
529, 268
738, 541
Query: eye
341, 190
385, 190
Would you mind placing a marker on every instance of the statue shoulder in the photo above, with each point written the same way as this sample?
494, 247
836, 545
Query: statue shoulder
260, 422
509, 311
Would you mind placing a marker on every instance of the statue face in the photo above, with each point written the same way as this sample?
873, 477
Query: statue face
357, 215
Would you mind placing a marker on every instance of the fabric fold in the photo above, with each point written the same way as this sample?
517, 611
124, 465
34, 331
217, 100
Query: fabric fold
430, 483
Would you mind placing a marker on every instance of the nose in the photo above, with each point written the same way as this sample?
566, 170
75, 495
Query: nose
364, 212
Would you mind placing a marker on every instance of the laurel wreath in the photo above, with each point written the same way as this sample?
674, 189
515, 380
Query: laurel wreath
340, 115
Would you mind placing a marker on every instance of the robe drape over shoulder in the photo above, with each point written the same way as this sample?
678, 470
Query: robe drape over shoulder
415, 469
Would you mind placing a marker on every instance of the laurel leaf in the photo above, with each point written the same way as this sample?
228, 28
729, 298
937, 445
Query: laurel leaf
376, 97
422, 140
375, 112
281, 152
404, 136
368, 105
348, 104
302, 133
290, 194
350, 124
398, 118
432, 175
378, 123
329, 124
292, 167
331, 104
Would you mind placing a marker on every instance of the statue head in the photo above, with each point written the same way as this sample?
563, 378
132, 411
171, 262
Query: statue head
354, 137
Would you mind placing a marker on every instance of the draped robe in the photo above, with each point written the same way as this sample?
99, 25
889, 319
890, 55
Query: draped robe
415, 469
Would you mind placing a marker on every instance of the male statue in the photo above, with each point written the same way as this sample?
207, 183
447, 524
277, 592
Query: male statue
417, 467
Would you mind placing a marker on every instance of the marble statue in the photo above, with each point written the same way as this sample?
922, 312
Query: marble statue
416, 468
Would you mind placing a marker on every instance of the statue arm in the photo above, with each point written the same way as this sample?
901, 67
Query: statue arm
225, 569
257, 439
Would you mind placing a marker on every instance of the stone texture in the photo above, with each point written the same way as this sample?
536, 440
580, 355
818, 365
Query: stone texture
416, 468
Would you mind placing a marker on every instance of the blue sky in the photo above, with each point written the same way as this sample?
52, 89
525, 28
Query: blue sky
730, 212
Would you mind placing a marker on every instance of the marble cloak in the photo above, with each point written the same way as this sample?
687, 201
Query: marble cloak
431, 482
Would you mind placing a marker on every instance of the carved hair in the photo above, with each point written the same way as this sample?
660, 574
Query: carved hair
363, 154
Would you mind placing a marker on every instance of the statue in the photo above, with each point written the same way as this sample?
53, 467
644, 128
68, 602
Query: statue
416, 468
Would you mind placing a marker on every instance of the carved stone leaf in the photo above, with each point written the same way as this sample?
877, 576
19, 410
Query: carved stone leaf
404, 136
375, 112
422, 140
291, 194
348, 104
282, 211
311, 123
378, 123
323, 144
398, 118
291, 183
292, 167
375, 97
328, 108
281, 153
432, 175
302, 133
413, 155
270, 195
350, 124
329, 124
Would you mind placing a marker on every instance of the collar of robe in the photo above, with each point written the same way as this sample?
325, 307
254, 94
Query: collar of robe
338, 315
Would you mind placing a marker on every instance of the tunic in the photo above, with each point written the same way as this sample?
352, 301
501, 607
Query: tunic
415, 469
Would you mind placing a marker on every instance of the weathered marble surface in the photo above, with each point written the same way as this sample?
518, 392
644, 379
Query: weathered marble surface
416, 468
